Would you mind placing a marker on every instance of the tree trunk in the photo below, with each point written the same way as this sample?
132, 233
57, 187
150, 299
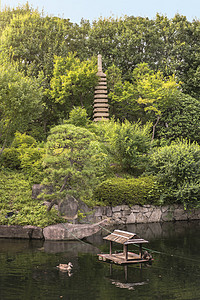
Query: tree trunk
4, 145
154, 128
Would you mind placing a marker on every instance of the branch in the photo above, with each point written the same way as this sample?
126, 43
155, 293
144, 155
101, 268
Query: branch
64, 184
52, 204
154, 127
4, 145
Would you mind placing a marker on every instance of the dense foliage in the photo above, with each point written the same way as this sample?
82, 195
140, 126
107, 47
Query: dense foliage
177, 169
25, 155
118, 191
48, 71
75, 161
15, 198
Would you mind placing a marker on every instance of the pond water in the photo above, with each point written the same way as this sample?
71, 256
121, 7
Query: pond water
28, 268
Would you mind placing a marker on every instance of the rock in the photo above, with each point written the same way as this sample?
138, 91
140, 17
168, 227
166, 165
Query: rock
37, 189
68, 207
117, 208
71, 231
21, 232
131, 218
117, 215
108, 211
155, 216
99, 211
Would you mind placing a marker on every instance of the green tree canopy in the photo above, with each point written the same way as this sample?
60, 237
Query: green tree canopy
180, 119
75, 161
149, 92
73, 83
32, 40
177, 169
20, 103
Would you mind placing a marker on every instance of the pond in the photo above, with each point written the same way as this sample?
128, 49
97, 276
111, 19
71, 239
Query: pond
28, 268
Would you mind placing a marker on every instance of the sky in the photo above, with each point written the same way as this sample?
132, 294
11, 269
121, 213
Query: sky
91, 10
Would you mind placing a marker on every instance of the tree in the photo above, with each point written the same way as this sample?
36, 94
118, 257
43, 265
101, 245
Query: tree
122, 97
75, 162
180, 119
155, 92
73, 83
32, 40
128, 143
149, 92
20, 103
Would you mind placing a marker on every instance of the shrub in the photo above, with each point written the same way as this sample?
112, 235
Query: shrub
177, 168
23, 141
24, 155
132, 143
10, 158
31, 164
78, 117
128, 143
181, 119
118, 191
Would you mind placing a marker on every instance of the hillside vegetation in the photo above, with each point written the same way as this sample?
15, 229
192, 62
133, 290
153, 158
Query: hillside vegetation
148, 153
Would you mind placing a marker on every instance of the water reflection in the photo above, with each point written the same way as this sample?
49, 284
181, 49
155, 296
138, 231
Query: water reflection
28, 268
126, 282
71, 247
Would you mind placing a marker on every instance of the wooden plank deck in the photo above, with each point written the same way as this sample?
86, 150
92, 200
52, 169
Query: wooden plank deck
119, 258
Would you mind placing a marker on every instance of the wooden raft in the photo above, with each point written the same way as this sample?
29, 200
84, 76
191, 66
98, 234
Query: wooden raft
126, 257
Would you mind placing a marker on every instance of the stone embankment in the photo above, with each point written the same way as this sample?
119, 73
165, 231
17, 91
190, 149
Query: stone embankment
123, 214
118, 215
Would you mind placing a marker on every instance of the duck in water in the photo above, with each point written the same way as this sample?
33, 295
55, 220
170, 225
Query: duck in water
65, 267
147, 256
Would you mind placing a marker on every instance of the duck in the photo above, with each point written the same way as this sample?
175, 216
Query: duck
147, 256
65, 267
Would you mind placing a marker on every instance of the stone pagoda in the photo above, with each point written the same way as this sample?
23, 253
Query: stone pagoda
101, 107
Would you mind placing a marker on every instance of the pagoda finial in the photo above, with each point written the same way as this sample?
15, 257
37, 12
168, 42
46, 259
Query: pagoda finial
99, 63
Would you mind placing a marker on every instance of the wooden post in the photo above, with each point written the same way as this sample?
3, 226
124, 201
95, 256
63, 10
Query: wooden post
110, 247
110, 269
126, 272
126, 252
141, 250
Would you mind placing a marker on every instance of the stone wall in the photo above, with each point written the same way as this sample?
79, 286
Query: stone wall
123, 214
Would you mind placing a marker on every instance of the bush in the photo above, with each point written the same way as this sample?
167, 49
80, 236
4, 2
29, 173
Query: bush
128, 143
181, 119
10, 158
23, 141
78, 117
24, 155
31, 164
132, 143
177, 168
118, 191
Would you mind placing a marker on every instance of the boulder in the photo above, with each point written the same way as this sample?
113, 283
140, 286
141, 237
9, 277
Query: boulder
67, 231
68, 207
21, 232
37, 189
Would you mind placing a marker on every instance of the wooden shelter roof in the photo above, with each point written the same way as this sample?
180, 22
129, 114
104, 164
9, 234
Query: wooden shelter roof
125, 237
